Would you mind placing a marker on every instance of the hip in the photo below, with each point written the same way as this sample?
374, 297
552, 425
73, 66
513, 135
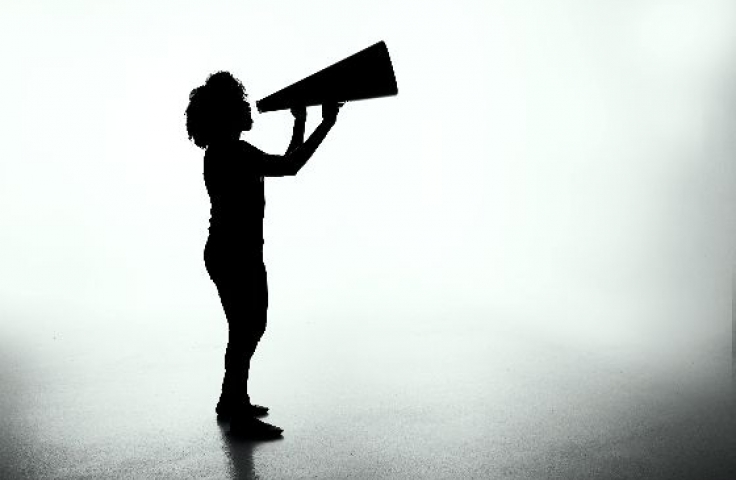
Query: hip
232, 255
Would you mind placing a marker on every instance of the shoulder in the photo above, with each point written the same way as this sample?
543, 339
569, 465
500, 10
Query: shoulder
249, 149
231, 151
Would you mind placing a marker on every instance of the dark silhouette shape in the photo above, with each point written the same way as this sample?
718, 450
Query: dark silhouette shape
234, 170
366, 74
240, 453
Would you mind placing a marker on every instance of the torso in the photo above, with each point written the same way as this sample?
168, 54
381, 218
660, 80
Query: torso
236, 196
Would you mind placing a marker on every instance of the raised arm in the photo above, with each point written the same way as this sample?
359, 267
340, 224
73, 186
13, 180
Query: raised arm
297, 137
299, 151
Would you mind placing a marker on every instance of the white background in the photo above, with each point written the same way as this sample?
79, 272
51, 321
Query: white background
565, 167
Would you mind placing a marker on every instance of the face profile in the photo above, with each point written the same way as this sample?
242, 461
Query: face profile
247, 117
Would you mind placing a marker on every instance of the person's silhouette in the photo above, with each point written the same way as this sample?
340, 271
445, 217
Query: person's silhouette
218, 112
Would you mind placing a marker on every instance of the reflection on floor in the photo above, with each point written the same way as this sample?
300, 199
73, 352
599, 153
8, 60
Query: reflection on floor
432, 401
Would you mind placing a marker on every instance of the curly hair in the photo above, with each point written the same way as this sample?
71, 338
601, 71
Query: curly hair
219, 106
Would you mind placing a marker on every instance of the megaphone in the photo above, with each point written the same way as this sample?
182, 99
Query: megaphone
366, 74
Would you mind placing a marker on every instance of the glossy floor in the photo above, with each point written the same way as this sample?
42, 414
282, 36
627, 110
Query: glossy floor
488, 400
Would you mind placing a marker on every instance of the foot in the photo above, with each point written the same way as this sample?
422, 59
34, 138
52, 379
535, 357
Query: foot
253, 429
257, 410
225, 410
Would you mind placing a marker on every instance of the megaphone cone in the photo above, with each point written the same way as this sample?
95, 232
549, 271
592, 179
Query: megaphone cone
366, 74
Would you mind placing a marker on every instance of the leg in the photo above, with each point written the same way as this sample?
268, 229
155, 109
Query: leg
245, 301
246, 324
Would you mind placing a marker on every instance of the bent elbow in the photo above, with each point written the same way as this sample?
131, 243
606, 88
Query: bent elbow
293, 164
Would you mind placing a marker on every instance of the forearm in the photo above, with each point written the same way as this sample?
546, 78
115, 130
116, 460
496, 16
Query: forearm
302, 153
297, 137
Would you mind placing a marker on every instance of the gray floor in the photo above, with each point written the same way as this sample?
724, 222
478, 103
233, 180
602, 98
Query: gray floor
487, 400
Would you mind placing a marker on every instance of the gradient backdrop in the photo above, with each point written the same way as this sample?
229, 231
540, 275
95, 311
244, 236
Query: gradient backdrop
565, 169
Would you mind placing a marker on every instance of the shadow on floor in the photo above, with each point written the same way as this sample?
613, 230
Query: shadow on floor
240, 454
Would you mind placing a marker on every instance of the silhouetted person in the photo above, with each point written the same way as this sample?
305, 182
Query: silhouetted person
218, 112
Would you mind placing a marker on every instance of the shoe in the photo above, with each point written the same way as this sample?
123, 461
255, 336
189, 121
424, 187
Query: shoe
253, 429
225, 410
257, 410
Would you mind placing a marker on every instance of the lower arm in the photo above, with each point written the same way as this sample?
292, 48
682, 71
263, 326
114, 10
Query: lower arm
301, 154
297, 137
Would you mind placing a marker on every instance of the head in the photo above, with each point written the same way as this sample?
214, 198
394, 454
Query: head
218, 110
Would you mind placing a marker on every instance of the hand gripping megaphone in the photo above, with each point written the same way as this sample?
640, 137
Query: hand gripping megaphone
366, 74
